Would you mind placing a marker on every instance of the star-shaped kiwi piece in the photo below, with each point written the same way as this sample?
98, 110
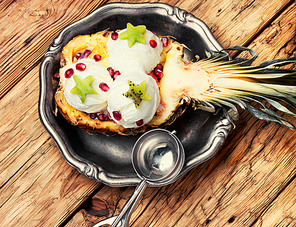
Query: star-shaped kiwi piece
83, 87
134, 34
137, 93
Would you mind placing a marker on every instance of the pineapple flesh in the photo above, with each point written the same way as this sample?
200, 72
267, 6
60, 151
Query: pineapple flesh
205, 84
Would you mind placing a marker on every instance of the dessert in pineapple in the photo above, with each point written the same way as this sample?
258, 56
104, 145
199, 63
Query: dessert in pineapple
146, 83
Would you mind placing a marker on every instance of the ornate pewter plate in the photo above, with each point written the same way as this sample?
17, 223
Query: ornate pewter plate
108, 159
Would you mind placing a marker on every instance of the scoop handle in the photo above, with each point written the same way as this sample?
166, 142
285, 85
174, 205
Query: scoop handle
122, 219
107, 221
126, 211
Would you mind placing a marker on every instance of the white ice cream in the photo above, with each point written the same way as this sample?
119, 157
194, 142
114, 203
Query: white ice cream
129, 113
139, 57
93, 102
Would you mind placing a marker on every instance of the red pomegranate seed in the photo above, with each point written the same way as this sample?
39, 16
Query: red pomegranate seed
102, 117
165, 41
111, 71
114, 36
115, 75
86, 53
158, 73
159, 66
78, 55
153, 43
80, 66
93, 115
97, 57
104, 86
117, 115
69, 73
140, 122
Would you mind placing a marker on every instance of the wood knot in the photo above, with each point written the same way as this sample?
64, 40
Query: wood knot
97, 207
40, 13
230, 220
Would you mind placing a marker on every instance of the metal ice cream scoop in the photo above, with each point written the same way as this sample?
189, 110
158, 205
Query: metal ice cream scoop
157, 157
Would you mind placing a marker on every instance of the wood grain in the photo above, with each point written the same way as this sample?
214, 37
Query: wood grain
281, 212
35, 179
249, 182
26, 148
39, 23
46, 173
279, 38
240, 20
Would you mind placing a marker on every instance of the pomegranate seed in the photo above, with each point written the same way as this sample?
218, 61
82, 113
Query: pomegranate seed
159, 66
78, 55
117, 115
111, 71
115, 75
86, 53
69, 73
104, 86
114, 36
158, 73
102, 117
165, 41
153, 43
140, 122
80, 66
93, 115
97, 57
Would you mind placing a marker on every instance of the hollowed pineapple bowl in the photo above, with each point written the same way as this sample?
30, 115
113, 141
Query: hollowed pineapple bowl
200, 110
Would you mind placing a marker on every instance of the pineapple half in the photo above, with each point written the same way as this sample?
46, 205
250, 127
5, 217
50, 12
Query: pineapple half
205, 84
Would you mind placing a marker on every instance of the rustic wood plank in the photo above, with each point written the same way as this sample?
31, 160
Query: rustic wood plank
240, 20
35, 179
239, 184
107, 203
39, 22
279, 38
21, 132
280, 212
44, 192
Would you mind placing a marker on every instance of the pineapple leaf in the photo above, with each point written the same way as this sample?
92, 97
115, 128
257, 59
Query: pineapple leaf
205, 106
279, 62
268, 115
241, 48
242, 61
279, 106
258, 114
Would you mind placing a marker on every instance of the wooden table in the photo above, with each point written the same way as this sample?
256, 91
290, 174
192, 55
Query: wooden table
249, 182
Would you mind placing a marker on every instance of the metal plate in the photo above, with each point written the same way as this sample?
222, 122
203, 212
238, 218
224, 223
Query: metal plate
108, 159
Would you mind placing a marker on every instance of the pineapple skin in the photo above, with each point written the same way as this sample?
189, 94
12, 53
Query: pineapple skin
83, 120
